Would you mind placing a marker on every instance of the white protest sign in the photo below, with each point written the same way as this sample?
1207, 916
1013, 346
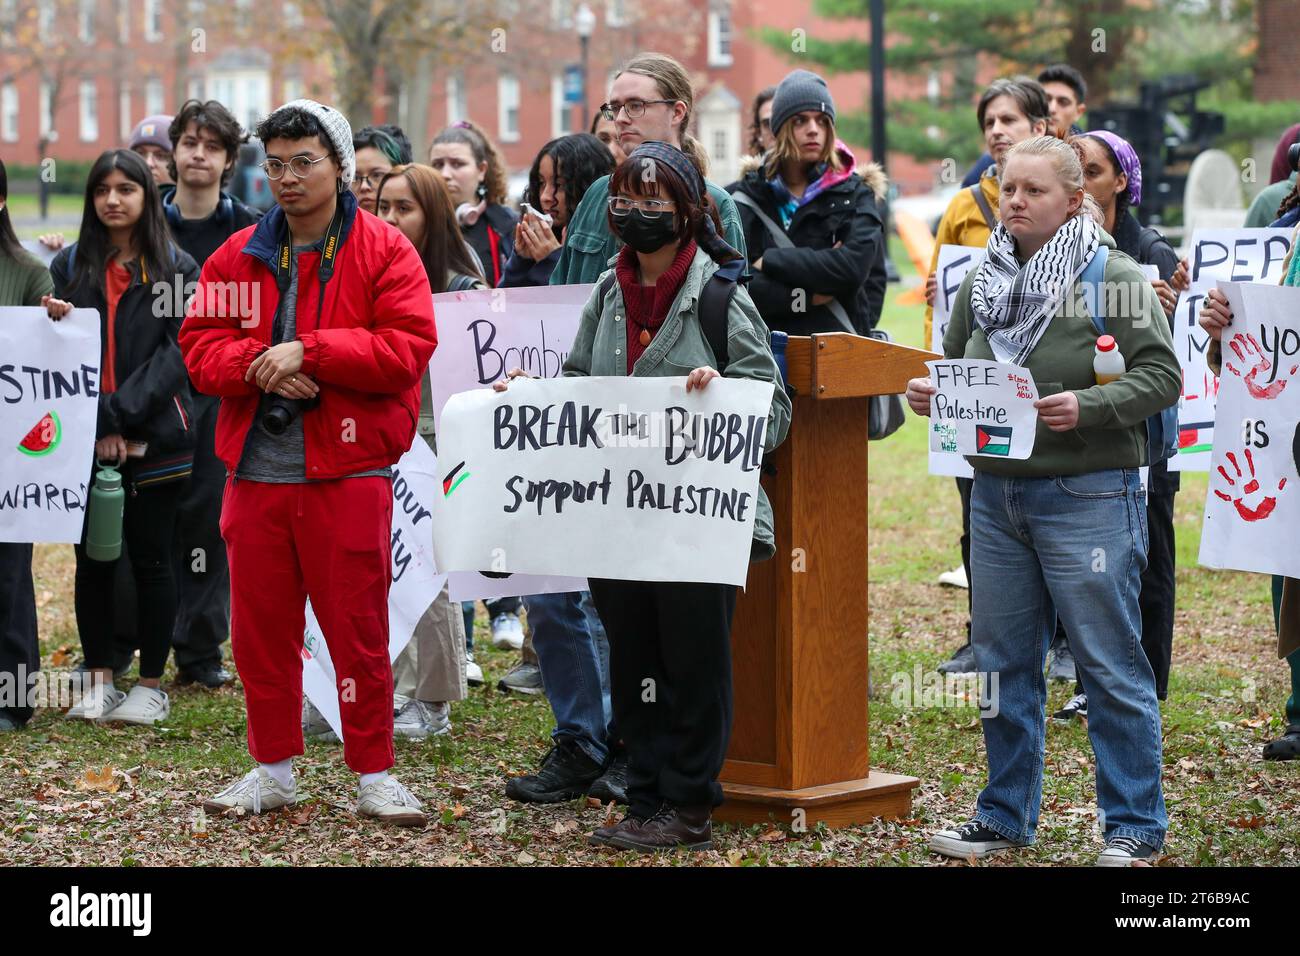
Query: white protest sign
982, 408
1230, 255
954, 262
1252, 504
416, 582
49, 392
627, 478
485, 333
482, 335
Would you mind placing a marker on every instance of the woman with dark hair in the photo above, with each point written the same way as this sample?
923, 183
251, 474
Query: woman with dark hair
23, 281
643, 319
145, 415
430, 673
564, 655
559, 177
378, 149
474, 172
605, 129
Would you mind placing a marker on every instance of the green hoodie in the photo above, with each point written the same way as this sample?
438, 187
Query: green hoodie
1112, 417
678, 348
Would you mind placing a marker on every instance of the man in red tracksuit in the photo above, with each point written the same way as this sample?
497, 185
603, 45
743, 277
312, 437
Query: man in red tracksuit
313, 327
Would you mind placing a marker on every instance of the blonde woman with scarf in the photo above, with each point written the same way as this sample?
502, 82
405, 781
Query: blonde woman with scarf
1063, 531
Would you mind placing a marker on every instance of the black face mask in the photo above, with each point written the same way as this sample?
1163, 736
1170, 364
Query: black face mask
644, 234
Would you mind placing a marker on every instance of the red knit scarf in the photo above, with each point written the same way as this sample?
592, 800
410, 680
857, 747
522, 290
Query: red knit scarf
647, 306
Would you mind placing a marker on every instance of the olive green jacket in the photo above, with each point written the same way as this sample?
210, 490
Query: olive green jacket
679, 347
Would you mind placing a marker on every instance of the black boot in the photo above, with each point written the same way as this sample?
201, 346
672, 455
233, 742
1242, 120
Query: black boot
1286, 747
612, 785
566, 772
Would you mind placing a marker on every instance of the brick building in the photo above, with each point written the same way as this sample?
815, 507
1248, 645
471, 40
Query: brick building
107, 63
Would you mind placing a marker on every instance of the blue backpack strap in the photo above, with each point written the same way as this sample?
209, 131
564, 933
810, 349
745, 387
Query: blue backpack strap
1094, 273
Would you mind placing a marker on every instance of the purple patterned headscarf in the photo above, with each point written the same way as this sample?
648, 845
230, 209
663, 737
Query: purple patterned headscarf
1127, 158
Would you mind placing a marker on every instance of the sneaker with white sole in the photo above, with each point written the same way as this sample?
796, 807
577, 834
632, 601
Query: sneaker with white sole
314, 724
102, 698
507, 632
956, 578
1076, 707
1127, 850
473, 673
389, 802
143, 705
255, 792
523, 678
970, 839
417, 719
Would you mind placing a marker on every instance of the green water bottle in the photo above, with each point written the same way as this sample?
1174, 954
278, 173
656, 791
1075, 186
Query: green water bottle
104, 515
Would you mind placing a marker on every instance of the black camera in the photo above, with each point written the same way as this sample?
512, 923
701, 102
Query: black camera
278, 413
1293, 156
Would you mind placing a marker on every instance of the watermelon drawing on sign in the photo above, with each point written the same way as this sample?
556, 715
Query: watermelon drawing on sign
44, 437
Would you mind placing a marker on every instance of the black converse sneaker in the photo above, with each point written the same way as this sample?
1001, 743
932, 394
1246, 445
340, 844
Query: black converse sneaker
1077, 707
1125, 851
970, 839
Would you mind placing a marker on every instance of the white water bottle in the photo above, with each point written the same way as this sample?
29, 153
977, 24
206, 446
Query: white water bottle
1107, 363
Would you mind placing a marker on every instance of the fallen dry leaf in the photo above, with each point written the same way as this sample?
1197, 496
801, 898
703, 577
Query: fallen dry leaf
104, 780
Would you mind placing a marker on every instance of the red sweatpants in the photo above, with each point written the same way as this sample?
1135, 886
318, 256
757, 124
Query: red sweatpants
328, 541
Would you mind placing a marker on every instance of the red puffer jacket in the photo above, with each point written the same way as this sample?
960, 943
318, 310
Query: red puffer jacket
373, 342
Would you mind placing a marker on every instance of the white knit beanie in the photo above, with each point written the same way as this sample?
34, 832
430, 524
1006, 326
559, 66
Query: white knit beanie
336, 127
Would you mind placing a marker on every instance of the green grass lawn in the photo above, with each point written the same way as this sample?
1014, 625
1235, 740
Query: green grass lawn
1226, 697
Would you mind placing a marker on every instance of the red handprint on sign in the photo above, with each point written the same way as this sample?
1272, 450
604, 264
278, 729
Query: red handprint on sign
1248, 350
1266, 504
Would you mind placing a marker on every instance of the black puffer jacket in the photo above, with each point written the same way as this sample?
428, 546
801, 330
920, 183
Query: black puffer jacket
848, 213
152, 402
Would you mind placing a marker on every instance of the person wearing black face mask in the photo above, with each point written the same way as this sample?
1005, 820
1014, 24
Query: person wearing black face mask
671, 307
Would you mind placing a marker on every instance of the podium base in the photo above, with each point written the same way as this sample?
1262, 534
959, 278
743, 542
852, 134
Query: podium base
843, 804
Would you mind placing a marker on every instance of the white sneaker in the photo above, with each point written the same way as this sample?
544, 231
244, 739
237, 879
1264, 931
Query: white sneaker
95, 703
473, 673
417, 719
256, 792
389, 802
143, 705
507, 632
314, 724
956, 578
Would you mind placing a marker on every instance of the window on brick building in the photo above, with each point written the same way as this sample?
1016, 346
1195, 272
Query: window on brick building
508, 108
88, 111
9, 112
720, 33
124, 121
153, 20
154, 97
457, 99
86, 21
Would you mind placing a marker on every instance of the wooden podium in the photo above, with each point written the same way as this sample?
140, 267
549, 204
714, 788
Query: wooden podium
799, 637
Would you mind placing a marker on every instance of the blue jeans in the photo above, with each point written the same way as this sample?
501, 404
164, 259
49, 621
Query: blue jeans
1074, 546
566, 636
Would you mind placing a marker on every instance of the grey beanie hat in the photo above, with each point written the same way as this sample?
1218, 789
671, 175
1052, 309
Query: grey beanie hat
337, 129
800, 91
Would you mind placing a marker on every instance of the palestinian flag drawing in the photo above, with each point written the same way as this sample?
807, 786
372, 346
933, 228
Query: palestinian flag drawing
993, 440
451, 481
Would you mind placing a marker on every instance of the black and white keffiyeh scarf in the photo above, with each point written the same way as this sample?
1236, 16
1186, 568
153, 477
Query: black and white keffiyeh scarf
1013, 303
